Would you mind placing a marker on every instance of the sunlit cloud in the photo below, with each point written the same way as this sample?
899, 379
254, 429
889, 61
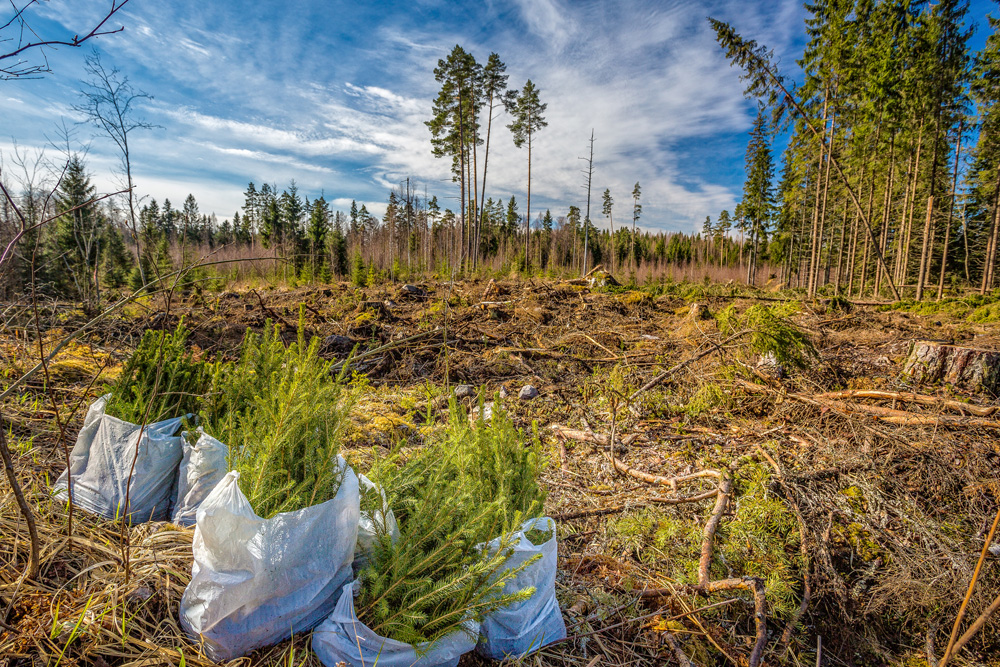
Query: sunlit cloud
264, 94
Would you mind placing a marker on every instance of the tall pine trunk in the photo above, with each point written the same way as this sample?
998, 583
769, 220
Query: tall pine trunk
926, 246
813, 253
951, 214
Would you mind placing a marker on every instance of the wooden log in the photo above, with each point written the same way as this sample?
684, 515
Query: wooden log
965, 367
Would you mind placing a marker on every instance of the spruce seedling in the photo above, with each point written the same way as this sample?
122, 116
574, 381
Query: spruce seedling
280, 411
184, 381
474, 483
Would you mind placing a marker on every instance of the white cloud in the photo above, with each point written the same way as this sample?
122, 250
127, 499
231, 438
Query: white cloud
270, 98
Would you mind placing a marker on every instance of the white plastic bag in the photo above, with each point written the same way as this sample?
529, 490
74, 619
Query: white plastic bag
344, 638
373, 524
202, 468
257, 581
101, 465
529, 625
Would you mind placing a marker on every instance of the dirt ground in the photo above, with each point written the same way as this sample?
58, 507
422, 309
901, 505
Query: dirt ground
836, 525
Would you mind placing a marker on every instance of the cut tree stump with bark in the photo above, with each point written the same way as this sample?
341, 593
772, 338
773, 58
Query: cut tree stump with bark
965, 367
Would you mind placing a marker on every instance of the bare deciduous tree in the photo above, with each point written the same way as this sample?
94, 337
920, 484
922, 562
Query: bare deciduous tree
110, 103
22, 55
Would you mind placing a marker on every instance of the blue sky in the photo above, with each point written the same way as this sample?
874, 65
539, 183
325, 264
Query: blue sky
335, 94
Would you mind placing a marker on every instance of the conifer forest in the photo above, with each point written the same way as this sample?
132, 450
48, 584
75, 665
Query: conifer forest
615, 333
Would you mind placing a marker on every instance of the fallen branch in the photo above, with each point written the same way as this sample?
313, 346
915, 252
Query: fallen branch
976, 626
270, 313
910, 397
675, 647
793, 621
672, 482
567, 516
591, 437
888, 415
953, 646
690, 360
29, 517
337, 367
708, 535
752, 584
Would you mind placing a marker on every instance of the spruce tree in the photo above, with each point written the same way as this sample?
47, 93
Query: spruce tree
316, 233
607, 203
78, 233
758, 192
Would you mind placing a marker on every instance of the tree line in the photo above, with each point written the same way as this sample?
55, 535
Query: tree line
889, 184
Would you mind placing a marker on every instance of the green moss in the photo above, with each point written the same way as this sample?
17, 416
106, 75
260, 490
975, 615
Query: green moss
985, 314
859, 539
660, 538
975, 308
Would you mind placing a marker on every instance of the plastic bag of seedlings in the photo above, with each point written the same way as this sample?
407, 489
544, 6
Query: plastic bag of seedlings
374, 522
343, 638
202, 467
529, 625
257, 581
114, 459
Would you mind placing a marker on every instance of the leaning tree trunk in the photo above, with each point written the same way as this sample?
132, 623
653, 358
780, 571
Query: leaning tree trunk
964, 367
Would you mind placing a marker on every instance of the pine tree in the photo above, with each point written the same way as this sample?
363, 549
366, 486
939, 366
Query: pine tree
636, 212
454, 127
494, 90
527, 111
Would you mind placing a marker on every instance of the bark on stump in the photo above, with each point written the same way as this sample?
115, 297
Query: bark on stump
965, 367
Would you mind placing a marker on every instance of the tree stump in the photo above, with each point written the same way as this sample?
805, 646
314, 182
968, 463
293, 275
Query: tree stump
965, 367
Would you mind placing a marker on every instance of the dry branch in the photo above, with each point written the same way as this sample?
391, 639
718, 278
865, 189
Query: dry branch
600, 511
672, 482
888, 415
29, 517
910, 397
676, 648
690, 360
953, 647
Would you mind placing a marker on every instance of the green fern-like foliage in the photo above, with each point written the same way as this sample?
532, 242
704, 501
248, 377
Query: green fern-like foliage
161, 379
771, 332
281, 411
476, 482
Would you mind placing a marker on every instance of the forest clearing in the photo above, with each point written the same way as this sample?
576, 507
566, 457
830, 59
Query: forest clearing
724, 389
777, 483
